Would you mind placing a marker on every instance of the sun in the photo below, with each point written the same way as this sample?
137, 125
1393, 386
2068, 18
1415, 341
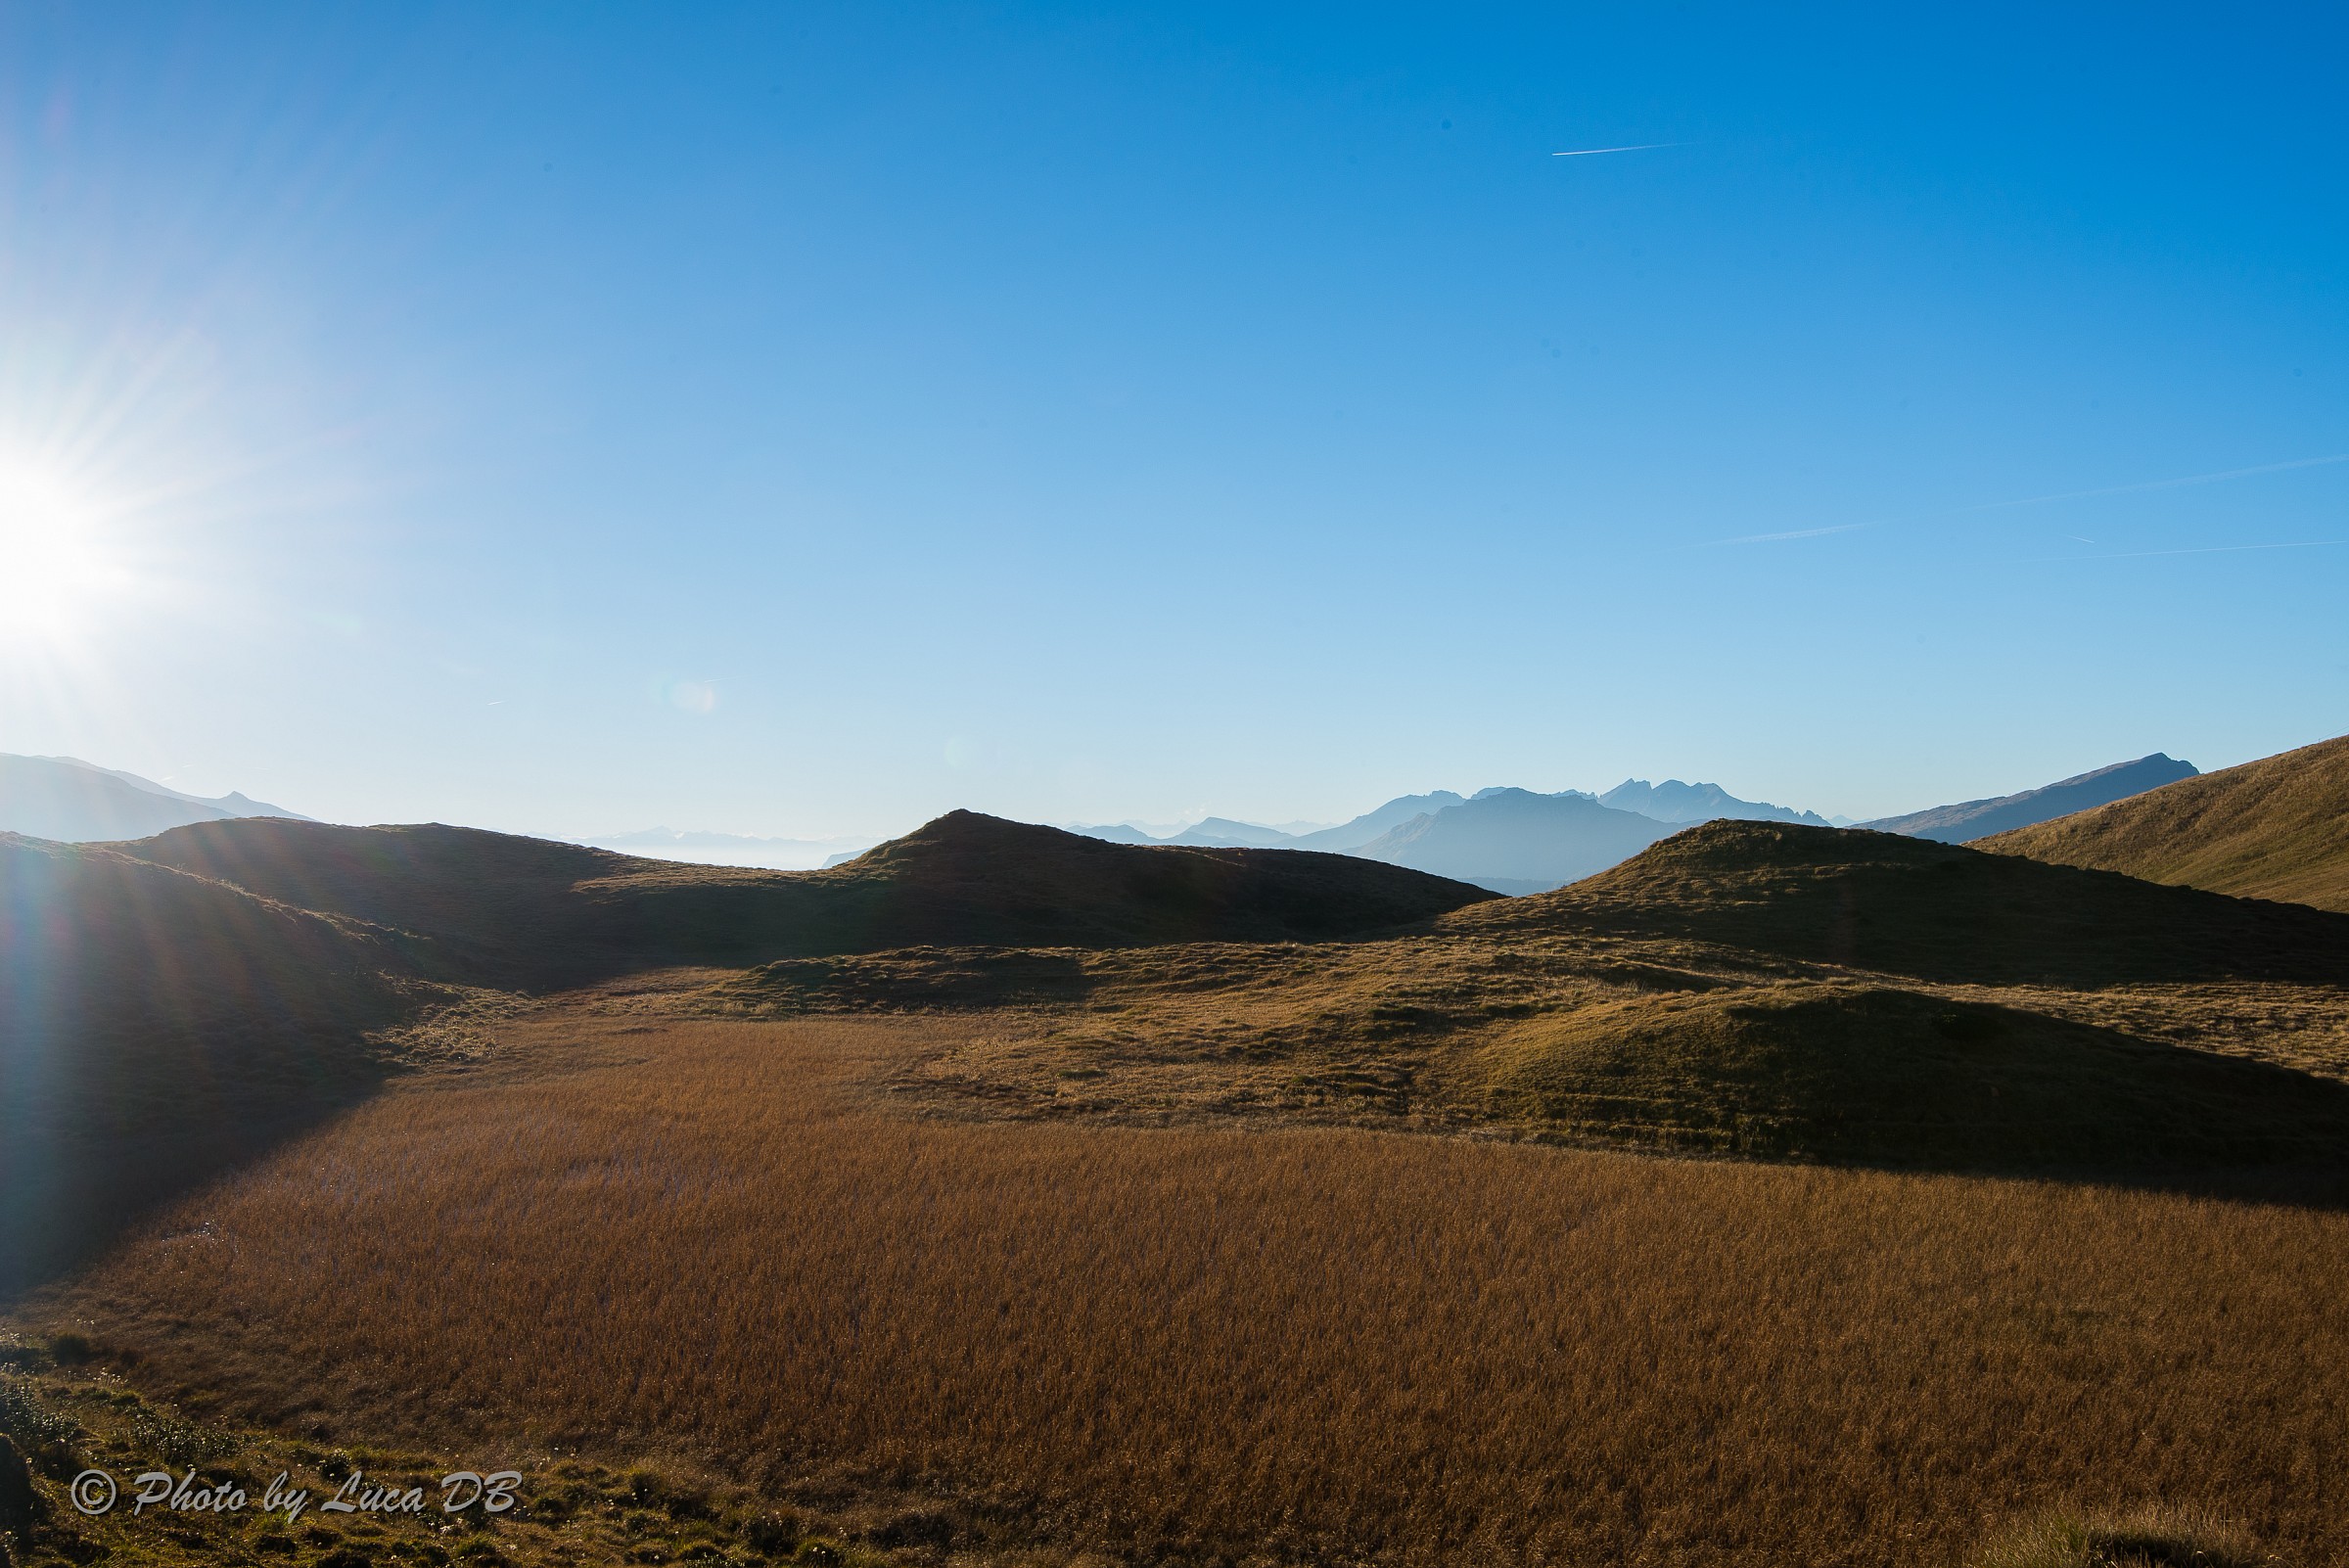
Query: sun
56, 569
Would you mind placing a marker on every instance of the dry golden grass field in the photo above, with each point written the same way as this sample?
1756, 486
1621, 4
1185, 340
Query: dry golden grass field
1037, 1201
748, 1252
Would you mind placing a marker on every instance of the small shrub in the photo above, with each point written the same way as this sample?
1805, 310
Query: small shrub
19, 1504
182, 1443
773, 1533
2147, 1537
919, 1526
820, 1553
72, 1350
31, 1423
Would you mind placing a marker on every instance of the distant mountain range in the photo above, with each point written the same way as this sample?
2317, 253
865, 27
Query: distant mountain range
1504, 839
1976, 820
1675, 802
72, 802
1508, 839
1371, 825
1514, 841
1519, 840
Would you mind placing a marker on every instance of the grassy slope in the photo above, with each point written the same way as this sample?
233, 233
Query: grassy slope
2277, 828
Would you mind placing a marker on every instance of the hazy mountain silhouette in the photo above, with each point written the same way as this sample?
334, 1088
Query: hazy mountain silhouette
1675, 802
68, 801
1518, 870
1209, 833
1222, 833
1106, 832
1514, 841
1371, 825
2277, 828
1974, 819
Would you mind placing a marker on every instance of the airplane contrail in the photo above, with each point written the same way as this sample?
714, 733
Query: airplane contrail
2166, 484
2207, 549
2075, 495
1593, 152
1798, 533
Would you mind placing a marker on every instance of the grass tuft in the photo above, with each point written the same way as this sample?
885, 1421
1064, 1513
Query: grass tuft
2151, 1537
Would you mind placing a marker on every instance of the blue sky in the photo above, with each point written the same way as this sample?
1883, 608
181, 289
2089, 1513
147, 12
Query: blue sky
803, 420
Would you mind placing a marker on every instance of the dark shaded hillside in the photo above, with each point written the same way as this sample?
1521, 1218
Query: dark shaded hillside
155, 1026
497, 908
515, 911
972, 879
2277, 828
1943, 913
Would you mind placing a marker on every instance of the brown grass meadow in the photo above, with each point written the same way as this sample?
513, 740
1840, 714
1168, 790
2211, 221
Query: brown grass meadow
725, 1245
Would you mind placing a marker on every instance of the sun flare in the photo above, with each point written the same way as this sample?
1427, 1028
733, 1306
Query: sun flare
55, 568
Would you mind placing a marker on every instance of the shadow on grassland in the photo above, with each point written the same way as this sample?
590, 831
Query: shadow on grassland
158, 1029
1856, 1074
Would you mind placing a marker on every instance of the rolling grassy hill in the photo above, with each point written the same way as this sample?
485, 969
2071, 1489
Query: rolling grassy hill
173, 1005
1760, 989
1901, 905
1094, 1236
516, 911
1799, 989
2277, 828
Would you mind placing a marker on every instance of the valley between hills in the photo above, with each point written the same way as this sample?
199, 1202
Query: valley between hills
1784, 1194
